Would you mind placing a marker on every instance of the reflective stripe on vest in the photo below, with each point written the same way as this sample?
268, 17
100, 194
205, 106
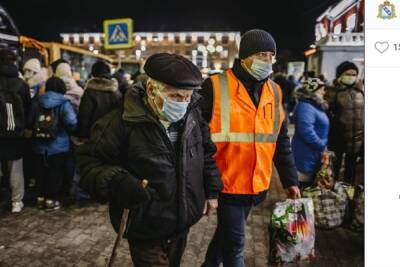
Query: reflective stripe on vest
226, 136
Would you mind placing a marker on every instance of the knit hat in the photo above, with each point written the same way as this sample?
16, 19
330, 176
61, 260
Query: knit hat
255, 41
100, 69
55, 84
55, 64
313, 84
63, 70
32, 64
345, 66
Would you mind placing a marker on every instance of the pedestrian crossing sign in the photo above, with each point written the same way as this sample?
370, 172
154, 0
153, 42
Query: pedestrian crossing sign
118, 33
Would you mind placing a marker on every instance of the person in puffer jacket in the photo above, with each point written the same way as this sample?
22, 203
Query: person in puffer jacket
74, 91
50, 155
100, 97
346, 113
311, 130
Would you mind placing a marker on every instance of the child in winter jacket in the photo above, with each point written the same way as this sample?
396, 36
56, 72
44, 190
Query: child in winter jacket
51, 119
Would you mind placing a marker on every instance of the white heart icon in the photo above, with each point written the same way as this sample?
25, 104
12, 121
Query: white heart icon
382, 47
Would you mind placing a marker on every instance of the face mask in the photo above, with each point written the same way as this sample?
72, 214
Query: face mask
171, 110
260, 69
348, 79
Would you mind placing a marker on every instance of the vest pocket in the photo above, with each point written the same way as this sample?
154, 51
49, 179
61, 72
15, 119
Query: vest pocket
268, 111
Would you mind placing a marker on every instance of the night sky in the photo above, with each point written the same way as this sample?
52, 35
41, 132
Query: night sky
291, 22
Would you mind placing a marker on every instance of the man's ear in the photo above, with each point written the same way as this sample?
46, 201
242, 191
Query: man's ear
149, 89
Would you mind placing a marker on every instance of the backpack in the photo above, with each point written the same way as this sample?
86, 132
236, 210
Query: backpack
12, 117
46, 125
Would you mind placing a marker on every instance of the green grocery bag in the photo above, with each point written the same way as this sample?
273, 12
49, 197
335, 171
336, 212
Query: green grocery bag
292, 232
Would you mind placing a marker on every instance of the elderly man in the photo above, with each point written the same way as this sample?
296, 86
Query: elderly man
158, 136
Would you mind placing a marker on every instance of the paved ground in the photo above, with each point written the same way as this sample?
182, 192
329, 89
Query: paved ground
82, 236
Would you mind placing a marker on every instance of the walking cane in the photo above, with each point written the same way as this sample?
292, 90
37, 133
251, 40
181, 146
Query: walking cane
121, 231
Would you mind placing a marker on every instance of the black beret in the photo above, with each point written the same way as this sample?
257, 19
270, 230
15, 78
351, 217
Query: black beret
174, 70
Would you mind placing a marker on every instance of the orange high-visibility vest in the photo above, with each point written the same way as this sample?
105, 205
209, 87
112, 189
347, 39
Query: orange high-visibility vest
245, 136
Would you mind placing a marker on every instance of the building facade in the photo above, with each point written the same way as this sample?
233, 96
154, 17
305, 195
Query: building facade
339, 35
210, 51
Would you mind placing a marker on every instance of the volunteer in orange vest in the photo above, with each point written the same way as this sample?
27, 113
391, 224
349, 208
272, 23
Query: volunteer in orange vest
246, 117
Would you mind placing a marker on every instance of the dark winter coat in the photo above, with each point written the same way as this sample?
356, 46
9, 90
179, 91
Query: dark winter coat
311, 131
13, 148
130, 144
346, 113
100, 97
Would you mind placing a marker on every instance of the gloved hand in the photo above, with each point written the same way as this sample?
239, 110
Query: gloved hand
130, 192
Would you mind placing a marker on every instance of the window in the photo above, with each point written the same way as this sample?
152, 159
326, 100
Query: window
337, 29
200, 39
351, 23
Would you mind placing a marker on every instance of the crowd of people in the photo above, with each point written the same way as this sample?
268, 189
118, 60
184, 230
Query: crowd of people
327, 117
53, 114
170, 152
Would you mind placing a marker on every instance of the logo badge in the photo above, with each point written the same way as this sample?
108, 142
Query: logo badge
387, 10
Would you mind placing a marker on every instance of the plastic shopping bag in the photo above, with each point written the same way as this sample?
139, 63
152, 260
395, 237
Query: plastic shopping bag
292, 232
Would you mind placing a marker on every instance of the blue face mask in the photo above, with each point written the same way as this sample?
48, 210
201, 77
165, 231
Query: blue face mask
260, 69
172, 110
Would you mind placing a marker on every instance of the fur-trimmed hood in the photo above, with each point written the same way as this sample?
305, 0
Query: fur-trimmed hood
74, 91
102, 84
312, 98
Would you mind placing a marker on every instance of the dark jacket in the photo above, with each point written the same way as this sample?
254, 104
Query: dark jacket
311, 133
286, 86
67, 122
346, 113
100, 97
13, 148
130, 144
283, 157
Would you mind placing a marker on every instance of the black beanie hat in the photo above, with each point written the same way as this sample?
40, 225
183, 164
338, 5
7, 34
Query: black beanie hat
55, 84
100, 69
255, 41
345, 66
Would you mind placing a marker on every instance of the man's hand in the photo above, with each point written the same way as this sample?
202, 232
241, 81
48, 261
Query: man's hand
294, 192
145, 183
209, 206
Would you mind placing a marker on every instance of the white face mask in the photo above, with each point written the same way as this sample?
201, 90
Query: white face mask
348, 79
260, 69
